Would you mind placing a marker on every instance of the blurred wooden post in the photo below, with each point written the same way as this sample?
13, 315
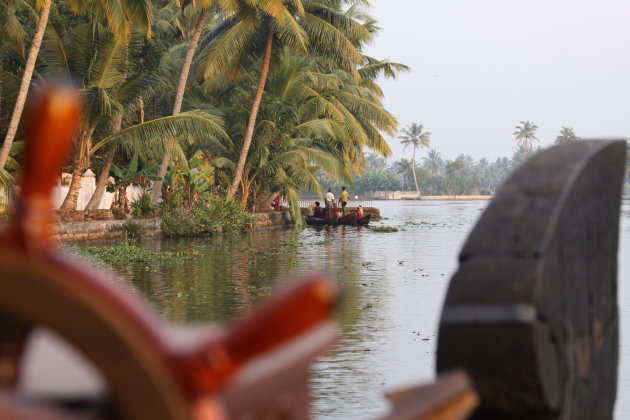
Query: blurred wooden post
532, 313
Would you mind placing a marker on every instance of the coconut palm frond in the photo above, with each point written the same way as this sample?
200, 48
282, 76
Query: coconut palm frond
7, 181
346, 24
151, 138
10, 84
377, 68
290, 33
221, 50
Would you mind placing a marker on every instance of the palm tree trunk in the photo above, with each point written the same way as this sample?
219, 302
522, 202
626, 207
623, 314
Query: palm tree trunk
70, 202
141, 109
413, 170
252, 116
245, 196
26, 82
156, 193
96, 198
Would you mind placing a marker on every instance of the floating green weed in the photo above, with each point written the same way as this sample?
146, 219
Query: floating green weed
128, 253
291, 242
384, 229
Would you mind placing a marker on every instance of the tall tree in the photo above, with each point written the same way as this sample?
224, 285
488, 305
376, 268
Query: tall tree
255, 28
26, 81
94, 58
414, 135
118, 13
566, 135
526, 135
156, 193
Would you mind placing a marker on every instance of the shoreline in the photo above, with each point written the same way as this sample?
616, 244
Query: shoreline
106, 230
439, 198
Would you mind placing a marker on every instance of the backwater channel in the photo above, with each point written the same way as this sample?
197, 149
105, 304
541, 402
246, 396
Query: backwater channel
393, 285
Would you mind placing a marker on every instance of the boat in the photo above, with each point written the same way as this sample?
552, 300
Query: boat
348, 219
364, 220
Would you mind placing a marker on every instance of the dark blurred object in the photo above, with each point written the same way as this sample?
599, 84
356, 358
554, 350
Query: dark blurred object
531, 313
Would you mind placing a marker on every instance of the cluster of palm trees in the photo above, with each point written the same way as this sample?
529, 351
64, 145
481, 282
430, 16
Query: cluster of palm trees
260, 94
525, 135
462, 175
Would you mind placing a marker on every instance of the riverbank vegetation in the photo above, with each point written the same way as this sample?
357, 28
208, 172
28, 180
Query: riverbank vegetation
433, 175
206, 215
128, 253
249, 98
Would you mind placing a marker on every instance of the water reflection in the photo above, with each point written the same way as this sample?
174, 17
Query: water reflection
393, 286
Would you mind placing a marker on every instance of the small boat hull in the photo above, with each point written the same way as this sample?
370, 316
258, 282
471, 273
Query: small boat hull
364, 220
348, 219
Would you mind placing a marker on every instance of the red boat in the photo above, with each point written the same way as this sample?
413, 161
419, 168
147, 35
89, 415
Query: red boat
348, 219
364, 220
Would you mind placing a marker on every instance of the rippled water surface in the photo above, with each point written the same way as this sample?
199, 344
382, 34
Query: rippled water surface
393, 283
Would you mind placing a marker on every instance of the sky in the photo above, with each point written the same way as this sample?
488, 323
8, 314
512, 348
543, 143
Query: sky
480, 67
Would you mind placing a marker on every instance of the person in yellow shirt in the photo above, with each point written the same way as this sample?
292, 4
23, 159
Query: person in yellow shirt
343, 199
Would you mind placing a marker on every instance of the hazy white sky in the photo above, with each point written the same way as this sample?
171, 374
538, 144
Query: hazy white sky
479, 67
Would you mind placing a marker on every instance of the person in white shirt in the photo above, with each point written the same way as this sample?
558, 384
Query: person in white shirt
329, 200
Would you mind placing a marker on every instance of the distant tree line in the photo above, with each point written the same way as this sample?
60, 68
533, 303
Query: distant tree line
433, 175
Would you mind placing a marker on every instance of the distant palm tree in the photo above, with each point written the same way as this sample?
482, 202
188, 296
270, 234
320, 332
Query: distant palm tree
375, 162
413, 135
403, 167
433, 162
567, 135
526, 135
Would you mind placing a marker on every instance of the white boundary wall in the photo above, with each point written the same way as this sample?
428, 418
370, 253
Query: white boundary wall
88, 185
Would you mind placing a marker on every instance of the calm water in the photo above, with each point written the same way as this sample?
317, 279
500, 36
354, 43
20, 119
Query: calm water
394, 285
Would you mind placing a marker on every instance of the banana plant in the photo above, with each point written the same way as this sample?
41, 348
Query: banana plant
126, 176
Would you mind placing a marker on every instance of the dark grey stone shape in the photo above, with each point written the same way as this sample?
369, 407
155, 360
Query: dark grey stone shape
531, 313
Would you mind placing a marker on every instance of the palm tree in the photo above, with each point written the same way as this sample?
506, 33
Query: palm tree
179, 95
375, 162
254, 27
566, 135
93, 57
26, 81
403, 167
433, 162
413, 135
12, 33
117, 12
525, 135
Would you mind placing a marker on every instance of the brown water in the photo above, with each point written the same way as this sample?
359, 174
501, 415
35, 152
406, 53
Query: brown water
394, 285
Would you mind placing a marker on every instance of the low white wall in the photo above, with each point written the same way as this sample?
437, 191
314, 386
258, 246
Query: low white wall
88, 185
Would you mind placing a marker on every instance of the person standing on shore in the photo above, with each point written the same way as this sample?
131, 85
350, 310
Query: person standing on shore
343, 199
329, 201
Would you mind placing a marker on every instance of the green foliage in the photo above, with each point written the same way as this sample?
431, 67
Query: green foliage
4, 212
384, 229
375, 181
131, 173
142, 206
206, 215
321, 110
128, 253
133, 231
